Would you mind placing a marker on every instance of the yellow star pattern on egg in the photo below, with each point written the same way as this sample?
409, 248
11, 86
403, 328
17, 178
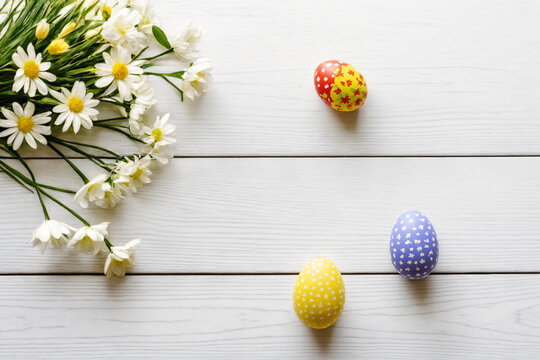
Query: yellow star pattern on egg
319, 294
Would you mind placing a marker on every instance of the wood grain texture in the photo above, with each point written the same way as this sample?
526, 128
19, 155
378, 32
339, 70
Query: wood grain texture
251, 317
274, 215
444, 77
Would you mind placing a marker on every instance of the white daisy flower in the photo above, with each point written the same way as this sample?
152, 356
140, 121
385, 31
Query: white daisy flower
134, 173
161, 133
93, 191
120, 30
31, 72
184, 44
119, 72
51, 232
137, 127
119, 258
163, 154
22, 125
90, 239
144, 100
197, 78
148, 15
112, 196
76, 108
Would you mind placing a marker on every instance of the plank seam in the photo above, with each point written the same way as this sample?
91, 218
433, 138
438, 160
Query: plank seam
478, 273
309, 156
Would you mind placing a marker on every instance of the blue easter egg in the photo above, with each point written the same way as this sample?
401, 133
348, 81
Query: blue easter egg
414, 248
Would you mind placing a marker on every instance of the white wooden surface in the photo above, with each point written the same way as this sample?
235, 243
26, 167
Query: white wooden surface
450, 127
232, 215
246, 317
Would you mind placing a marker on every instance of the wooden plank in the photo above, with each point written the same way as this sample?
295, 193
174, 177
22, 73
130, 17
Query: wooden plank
385, 316
274, 215
445, 77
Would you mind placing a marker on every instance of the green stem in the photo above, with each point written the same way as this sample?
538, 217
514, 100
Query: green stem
112, 119
67, 191
36, 185
18, 174
140, 53
67, 208
70, 163
159, 55
45, 193
115, 128
176, 87
11, 175
109, 245
90, 157
61, 141
112, 102
38, 191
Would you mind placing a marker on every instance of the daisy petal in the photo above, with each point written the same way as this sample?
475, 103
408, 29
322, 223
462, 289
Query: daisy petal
29, 109
17, 108
42, 88
47, 76
17, 60
30, 140
39, 137
18, 141
44, 66
8, 132
32, 90
104, 81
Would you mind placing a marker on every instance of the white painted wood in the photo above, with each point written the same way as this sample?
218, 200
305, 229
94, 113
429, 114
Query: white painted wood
444, 77
246, 317
274, 215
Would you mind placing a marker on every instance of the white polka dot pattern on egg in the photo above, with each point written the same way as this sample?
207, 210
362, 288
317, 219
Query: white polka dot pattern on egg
319, 294
414, 248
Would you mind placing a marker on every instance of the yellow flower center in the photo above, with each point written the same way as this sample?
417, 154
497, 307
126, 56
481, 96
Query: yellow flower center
75, 104
25, 124
197, 82
57, 47
120, 71
31, 69
157, 134
122, 30
137, 174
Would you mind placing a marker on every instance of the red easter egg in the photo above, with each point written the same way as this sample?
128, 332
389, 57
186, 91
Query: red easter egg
340, 85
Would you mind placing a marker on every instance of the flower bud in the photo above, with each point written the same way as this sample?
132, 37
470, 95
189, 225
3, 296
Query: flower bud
42, 29
91, 33
58, 47
106, 12
67, 30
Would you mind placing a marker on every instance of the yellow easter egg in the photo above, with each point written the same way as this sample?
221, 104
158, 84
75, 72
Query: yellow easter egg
319, 294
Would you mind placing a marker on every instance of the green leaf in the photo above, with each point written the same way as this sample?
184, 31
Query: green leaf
176, 74
161, 37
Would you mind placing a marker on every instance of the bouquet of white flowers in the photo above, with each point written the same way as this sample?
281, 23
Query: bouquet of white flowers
62, 62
